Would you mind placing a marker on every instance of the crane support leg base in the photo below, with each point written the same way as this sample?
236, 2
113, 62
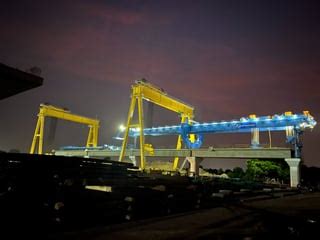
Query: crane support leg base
294, 165
194, 163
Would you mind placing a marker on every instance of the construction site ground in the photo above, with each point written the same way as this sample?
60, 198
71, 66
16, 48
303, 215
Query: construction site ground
291, 217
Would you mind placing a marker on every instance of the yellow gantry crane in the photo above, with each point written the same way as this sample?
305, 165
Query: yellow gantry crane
55, 112
144, 90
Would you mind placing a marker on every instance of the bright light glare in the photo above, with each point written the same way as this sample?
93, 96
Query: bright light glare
122, 128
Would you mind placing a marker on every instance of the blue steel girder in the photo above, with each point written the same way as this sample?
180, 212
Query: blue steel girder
298, 122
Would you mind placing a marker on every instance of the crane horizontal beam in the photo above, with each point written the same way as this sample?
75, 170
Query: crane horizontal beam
159, 97
52, 111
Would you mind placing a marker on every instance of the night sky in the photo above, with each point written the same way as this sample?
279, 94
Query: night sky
226, 58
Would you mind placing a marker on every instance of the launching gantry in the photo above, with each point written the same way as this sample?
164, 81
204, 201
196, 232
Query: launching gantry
292, 124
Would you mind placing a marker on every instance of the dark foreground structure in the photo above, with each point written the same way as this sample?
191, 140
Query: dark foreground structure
80, 198
14, 81
50, 193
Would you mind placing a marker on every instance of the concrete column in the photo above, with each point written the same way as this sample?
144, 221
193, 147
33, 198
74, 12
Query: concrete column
194, 163
255, 138
294, 165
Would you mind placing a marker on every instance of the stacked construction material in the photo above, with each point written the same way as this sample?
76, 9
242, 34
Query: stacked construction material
64, 192
48, 189
53, 193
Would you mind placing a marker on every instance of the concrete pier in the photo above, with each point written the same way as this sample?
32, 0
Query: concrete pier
194, 163
294, 165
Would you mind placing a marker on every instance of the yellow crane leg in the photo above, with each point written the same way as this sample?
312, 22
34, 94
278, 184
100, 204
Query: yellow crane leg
126, 133
41, 134
35, 136
92, 140
90, 137
95, 136
176, 159
141, 128
38, 135
179, 144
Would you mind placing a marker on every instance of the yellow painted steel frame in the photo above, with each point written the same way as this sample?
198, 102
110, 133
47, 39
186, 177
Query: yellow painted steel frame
55, 112
143, 90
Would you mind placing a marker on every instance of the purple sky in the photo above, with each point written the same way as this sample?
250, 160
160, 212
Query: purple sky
227, 58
